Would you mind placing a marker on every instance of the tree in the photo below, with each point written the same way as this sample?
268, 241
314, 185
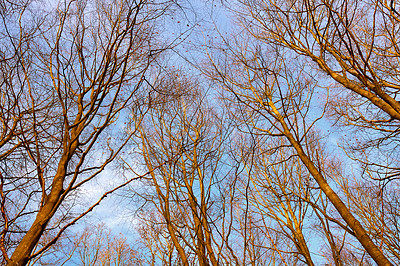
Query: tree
95, 245
181, 196
354, 45
276, 101
278, 190
68, 75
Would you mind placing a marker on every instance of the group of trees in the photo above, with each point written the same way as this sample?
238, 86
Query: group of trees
280, 148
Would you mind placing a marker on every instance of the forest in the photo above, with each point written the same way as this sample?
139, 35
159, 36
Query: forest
199, 132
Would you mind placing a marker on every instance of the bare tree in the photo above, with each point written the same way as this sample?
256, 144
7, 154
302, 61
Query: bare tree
183, 195
275, 98
278, 191
352, 45
95, 245
68, 74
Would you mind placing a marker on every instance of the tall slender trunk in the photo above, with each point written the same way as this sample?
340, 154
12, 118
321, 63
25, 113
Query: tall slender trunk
344, 212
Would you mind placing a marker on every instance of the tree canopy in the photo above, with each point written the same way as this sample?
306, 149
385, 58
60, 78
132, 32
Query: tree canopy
271, 140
